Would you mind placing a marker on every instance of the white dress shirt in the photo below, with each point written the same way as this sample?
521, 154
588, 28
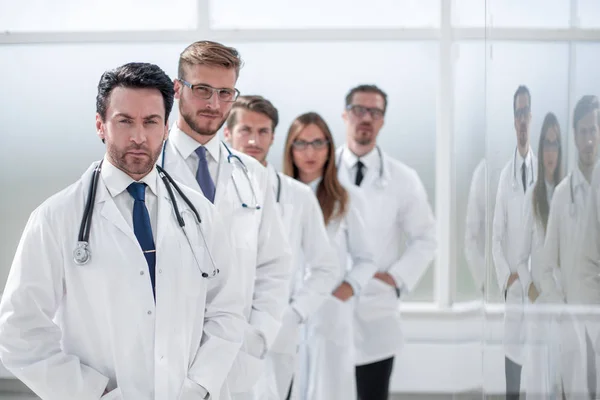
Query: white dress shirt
117, 181
187, 146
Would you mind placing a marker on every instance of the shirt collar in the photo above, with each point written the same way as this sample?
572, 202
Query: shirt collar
370, 160
187, 146
117, 181
527, 158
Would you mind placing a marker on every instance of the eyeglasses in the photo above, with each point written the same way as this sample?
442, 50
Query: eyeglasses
361, 111
205, 92
551, 146
522, 112
316, 144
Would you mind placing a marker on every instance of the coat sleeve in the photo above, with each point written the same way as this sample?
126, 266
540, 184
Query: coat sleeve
273, 270
224, 322
320, 260
498, 236
475, 217
418, 225
29, 339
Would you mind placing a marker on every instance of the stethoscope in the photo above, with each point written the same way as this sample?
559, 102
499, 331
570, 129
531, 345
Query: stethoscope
381, 181
514, 182
278, 196
237, 159
82, 253
572, 208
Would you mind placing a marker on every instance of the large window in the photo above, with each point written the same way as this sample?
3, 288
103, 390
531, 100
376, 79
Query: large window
305, 55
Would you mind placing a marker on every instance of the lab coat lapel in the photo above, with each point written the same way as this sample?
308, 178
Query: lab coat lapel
165, 212
175, 165
110, 212
225, 171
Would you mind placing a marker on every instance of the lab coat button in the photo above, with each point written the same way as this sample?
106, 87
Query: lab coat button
141, 272
149, 312
160, 271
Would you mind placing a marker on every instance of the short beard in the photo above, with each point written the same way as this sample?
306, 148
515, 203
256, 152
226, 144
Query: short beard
189, 120
142, 168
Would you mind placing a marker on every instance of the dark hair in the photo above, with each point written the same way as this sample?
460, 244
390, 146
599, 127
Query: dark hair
136, 76
332, 196
366, 89
254, 103
520, 91
209, 53
541, 208
585, 105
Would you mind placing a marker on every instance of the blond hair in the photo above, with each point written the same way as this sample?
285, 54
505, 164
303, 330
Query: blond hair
211, 54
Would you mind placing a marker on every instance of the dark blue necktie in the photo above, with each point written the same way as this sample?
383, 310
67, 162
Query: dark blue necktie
203, 175
143, 228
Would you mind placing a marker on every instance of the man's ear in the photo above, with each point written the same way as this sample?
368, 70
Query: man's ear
100, 128
227, 134
177, 87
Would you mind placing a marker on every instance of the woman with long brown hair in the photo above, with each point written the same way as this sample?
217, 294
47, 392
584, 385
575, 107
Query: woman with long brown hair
327, 353
537, 204
540, 370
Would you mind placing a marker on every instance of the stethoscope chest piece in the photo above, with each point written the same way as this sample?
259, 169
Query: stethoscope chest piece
82, 254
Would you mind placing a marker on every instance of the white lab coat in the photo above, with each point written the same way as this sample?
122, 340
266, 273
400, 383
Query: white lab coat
398, 214
314, 276
262, 251
507, 238
70, 331
540, 375
327, 352
583, 278
475, 232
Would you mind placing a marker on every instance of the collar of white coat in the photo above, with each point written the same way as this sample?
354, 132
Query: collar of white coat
314, 185
527, 159
187, 146
273, 177
370, 160
117, 181
579, 182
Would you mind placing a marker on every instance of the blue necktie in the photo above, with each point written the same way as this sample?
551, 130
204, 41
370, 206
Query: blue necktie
143, 228
203, 175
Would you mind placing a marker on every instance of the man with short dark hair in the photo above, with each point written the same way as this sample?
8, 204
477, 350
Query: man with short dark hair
507, 236
110, 295
399, 214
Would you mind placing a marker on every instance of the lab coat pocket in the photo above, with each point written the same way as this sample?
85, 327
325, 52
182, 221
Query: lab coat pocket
378, 300
333, 321
192, 391
249, 364
114, 394
287, 338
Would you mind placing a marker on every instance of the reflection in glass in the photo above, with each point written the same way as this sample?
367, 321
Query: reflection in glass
507, 231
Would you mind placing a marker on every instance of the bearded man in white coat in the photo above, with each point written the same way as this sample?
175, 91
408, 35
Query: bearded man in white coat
153, 311
240, 188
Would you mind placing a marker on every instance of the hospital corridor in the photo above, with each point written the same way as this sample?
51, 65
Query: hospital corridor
300, 200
